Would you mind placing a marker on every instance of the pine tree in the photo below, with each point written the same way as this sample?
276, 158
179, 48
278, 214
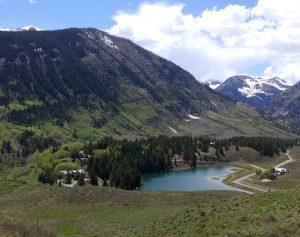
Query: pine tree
221, 151
93, 179
69, 179
81, 180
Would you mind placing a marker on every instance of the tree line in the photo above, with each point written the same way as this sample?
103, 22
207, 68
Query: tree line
124, 161
121, 163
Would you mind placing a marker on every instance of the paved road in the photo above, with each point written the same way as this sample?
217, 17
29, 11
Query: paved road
254, 187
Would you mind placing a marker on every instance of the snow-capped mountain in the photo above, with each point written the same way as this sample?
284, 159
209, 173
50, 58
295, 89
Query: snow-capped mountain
213, 84
29, 28
25, 28
255, 91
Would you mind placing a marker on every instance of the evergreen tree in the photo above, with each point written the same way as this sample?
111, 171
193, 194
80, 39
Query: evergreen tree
93, 179
81, 180
69, 179
221, 151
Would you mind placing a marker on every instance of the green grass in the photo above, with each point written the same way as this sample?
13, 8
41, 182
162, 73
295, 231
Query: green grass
92, 211
253, 215
289, 180
97, 211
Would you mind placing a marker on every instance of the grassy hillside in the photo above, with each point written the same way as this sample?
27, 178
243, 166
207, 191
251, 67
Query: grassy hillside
97, 211
93, 211
256, 215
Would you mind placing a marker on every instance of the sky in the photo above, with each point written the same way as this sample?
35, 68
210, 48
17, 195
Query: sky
212, 39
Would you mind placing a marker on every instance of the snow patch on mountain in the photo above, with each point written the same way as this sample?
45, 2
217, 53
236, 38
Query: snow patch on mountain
213, 84
173, 130
109, 42
193, 117
260, 85
25, 28
30, 28
96, 35
5, 29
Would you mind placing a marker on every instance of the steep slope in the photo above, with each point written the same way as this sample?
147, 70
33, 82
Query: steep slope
255, 91
286, 106
85, 83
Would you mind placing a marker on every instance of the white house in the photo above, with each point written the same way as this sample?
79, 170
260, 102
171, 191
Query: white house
280, 170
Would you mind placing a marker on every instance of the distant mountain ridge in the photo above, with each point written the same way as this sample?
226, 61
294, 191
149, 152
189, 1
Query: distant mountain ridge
25, 28
287, 106
255, 91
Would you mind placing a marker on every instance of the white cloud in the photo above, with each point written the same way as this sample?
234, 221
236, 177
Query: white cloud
219, 42
32, 1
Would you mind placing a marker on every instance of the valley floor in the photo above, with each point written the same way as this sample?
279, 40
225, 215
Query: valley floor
28, 207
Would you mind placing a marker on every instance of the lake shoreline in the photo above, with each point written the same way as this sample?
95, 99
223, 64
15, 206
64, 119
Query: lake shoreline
208, 177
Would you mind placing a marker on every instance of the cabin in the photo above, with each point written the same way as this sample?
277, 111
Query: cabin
67, 159
280, 170
72, 172
65, 172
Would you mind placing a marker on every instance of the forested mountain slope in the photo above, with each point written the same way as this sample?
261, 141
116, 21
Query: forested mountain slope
84, 83
287, 106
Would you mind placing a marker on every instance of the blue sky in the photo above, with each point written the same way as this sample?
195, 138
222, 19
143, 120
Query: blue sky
212, 39
58, 14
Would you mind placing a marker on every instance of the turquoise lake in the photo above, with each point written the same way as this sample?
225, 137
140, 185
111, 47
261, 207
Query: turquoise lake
198, 179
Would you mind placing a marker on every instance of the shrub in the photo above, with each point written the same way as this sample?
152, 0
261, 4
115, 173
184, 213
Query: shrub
46, 176
266, 174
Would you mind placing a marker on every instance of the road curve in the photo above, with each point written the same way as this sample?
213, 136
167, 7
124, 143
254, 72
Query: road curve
287, 161
240, 180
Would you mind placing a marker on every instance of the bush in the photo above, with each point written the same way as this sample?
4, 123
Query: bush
46, 176
266, 174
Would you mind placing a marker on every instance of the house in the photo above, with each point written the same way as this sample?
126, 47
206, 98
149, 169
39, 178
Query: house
64, 172
81, 171
66, 159
281, 171
72, 172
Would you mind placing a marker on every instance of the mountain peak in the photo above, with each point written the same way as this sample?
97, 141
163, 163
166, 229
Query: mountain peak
25, 28
29, 28
254, 90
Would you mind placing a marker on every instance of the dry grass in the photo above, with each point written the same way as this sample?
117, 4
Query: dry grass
14, 228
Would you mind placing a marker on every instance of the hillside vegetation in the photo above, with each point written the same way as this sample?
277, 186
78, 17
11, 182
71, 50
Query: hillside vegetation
86, 84
102, 211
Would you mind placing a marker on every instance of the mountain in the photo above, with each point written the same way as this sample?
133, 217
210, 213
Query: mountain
286, 106
213, 84
85, 83
29, 28
255, 91
25, 28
